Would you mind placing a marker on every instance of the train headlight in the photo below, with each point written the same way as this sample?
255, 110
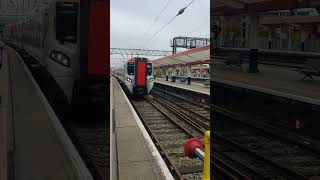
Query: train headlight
66, 61
129, 80
150, 80
60, 58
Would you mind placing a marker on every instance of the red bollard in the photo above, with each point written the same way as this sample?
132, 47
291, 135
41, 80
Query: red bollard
192, 147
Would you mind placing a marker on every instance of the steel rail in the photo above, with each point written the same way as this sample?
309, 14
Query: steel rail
228, 170
285, 170
184, 99
200, 126
263, 133
191, 134
167, 159
219, 137
204, 119
265, 128
268, 129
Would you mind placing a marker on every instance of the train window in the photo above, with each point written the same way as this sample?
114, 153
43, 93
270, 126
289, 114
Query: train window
149, 69
130, 68
66, 21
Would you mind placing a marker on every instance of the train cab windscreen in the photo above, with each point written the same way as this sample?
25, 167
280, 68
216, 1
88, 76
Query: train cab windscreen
66, 21
149, 69
130, 68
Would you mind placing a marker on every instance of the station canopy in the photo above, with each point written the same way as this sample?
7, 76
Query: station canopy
252, 6
199, 55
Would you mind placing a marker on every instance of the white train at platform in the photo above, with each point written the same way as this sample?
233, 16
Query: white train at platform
137, 76
69, 42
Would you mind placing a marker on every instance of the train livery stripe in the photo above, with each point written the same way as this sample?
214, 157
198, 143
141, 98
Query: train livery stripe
99, 38
141, 80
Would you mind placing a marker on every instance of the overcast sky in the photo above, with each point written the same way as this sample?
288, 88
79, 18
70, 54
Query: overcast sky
131, 23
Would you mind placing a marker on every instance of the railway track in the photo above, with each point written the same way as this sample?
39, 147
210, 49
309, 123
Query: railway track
169, 134
250, 151
286, 113
224, 157
198, 117
292, 160
89, 137
170, 128
93, 146
185, 105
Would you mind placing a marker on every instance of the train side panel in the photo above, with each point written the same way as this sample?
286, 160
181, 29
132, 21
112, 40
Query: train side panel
61, 44
99, 36
128, 79
150, 77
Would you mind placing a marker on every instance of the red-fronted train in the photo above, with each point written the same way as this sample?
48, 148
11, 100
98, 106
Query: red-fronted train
70, 38
138, 76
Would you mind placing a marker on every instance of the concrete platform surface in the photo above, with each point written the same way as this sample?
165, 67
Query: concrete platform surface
38, 152
135, 158
194, 86
280, 81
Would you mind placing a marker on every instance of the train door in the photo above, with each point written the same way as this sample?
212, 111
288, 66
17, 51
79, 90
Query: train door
93, 51
94, 38
141, 72
98, 40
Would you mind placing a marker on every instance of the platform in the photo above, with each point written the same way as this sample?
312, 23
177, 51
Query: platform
40, 148
280, 81
137, 157
194, 86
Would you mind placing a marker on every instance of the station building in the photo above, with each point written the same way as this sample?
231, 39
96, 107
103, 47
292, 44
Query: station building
294, 30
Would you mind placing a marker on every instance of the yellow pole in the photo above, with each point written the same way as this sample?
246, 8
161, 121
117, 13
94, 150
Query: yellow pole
206, 168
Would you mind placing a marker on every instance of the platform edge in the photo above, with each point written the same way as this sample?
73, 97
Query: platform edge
154, 151
72, 154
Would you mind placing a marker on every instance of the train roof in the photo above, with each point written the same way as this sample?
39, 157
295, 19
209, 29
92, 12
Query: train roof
134, 59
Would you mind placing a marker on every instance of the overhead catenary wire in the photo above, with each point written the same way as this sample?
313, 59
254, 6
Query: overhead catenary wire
158, 16
155, 34
181, 11
34, 4
13, 3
